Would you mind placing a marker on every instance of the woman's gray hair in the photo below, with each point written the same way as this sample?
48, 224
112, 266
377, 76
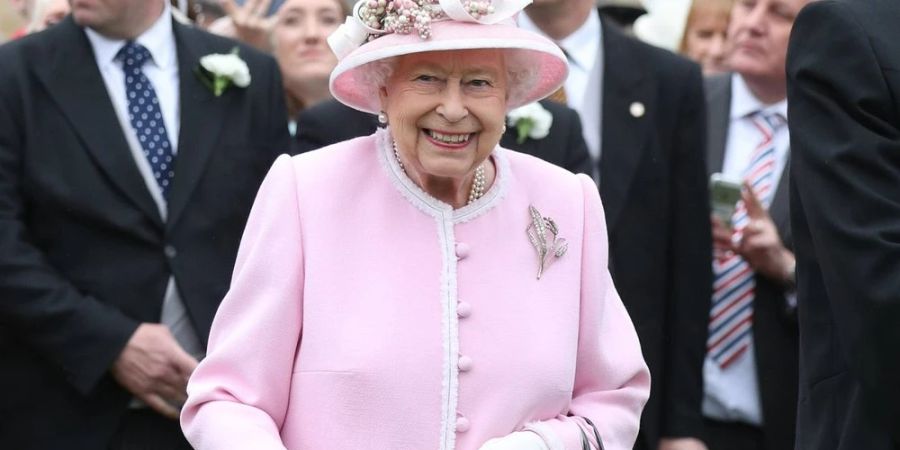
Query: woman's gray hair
521, 74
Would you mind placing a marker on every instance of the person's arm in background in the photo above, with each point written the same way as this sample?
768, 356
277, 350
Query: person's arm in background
845, 138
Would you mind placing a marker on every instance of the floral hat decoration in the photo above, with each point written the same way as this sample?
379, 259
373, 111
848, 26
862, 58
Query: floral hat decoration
379, 30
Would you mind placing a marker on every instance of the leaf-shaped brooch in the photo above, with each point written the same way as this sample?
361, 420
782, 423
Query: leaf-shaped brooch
544, 236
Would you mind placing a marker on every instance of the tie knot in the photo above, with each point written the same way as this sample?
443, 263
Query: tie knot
133, 54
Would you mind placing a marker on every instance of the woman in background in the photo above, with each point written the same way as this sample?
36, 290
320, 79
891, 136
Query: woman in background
696, 29
299, 45
296, 35
705, 34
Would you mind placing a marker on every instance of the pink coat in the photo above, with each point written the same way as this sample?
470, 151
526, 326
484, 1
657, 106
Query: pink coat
365, 314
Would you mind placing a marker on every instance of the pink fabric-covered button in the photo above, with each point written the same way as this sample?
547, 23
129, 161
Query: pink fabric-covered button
463, 310
462, 425
462, 250
464, 363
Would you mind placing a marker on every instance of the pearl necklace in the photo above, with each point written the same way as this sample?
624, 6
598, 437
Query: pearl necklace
478, 183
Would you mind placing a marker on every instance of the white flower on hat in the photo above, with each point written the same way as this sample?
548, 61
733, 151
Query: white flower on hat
223, 70
371, 19
531, 121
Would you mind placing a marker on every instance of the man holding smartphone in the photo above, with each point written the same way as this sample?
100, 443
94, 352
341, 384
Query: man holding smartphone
750, 371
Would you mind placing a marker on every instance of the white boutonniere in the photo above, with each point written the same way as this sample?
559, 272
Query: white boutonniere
219, 71
531, 121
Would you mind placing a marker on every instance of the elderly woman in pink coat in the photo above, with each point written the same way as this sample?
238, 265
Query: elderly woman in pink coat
423, 288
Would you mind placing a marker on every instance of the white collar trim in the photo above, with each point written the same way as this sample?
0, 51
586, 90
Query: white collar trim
430, 205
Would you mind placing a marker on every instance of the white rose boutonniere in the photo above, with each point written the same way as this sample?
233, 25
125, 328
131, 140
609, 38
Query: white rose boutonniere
218, 71
531, 121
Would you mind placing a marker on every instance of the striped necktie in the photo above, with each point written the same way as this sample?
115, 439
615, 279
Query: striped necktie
731, 316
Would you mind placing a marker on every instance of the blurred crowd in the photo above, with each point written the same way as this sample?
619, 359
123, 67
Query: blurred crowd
714, 298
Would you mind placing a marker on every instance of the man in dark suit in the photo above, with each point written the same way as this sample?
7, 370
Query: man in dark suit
750, 372
844, 79
643, 116
563, 145
124, 186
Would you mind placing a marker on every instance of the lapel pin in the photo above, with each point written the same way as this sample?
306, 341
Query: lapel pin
637, 109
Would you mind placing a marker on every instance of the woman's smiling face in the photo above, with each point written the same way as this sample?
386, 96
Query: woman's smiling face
446, 110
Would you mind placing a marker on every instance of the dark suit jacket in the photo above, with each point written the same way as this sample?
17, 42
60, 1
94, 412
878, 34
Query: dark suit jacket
844, 108
654, 189
331, 122
84, 254
774, 319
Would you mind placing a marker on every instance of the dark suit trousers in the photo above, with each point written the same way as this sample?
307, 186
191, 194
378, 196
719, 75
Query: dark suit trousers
143, 429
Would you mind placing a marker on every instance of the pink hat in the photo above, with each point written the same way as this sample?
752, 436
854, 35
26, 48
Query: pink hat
379, 29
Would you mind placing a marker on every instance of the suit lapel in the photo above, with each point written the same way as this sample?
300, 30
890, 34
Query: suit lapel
628, 102
81, 95
201, 119
718, 113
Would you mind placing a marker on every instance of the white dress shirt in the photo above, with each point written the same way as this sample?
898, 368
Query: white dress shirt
732, 394
162, 72
584, 48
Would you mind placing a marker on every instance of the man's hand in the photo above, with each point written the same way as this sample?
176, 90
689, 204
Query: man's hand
250, 24
681, 444
155, 368
761, 245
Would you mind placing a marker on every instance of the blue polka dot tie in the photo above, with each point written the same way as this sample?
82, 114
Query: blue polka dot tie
146, 116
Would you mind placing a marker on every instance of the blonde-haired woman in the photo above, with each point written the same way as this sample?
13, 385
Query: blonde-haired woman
696, 29
299, 45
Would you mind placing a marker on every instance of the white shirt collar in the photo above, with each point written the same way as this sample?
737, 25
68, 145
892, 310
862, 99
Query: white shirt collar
158, 40
582, 46
744, 103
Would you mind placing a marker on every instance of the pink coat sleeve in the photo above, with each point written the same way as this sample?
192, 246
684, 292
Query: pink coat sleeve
612, 382
238, 396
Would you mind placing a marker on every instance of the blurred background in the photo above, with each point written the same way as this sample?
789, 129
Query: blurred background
9, 21
628, 9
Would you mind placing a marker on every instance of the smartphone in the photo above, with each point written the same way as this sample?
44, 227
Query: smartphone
724, 193
273, 7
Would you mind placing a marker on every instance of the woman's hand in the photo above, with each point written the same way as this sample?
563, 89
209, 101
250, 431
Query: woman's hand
249, 22
519, 440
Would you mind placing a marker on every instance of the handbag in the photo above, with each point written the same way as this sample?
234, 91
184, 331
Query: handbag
585, 442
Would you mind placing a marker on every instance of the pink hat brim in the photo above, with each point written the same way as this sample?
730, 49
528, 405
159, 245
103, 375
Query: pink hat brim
350, 86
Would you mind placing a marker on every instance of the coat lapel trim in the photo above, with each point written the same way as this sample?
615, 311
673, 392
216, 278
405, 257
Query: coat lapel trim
202, 118
83, 99
625, 134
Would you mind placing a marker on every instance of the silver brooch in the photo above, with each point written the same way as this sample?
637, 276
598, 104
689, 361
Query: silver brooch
544, 236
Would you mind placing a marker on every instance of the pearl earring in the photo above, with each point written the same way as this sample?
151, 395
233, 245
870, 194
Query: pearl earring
382, 119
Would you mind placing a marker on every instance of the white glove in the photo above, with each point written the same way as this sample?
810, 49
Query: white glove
519, 440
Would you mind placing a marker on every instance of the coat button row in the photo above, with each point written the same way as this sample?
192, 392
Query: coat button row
463, 310
462, 250
462, 424
464, 363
